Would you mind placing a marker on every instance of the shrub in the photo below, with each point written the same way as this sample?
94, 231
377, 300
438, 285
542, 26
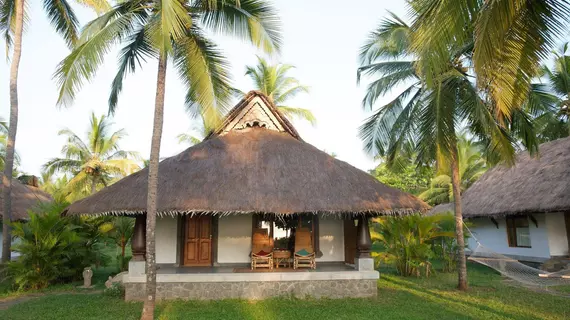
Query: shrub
408, 242
54, 248
116, 290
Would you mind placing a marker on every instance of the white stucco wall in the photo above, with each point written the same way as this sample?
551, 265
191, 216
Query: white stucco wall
166, 232
331, 239
557, 237
234, 239
496, 239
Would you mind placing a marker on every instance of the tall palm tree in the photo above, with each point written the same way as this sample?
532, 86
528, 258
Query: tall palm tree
12, 20
96, 162
426, 117
549, 99
472, 165
508, 38
273, 81
169, 30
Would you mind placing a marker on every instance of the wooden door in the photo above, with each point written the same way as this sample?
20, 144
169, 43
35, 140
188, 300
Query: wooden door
349, 241
198, 241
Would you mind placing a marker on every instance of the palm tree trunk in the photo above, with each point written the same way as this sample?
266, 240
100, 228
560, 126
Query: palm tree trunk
93, 185
149, 303
11, 143
456, 185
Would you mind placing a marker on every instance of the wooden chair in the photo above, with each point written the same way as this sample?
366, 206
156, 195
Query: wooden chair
304, 252
261, 249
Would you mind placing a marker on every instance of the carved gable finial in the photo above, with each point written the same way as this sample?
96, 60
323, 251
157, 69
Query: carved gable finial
255, 114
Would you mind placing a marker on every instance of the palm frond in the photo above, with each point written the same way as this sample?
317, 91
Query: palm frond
300, 113
63, 18
252, 20
205, 73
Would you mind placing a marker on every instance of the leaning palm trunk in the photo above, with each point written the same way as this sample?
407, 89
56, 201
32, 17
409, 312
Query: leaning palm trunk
11, 143
456, 185
148, 308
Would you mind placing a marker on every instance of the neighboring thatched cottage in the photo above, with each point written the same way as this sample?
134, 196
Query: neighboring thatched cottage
24, 198
523, 211
224, 202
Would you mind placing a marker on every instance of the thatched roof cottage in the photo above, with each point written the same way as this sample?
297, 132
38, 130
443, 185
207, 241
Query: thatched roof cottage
523, 211
254, 182
24, 198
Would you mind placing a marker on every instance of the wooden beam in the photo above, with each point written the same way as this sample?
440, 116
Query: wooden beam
363, 242
495, 222
138, 242
533, 219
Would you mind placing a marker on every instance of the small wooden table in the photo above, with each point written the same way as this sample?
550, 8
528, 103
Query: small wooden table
282, 257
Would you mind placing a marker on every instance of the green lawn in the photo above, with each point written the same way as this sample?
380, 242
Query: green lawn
398, 298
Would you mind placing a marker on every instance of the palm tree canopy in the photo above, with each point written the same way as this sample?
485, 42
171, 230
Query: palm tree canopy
174, 29
496, 30
61, 16
96, 161
427, 118
273, 81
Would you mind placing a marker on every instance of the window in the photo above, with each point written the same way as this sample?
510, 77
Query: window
518, 232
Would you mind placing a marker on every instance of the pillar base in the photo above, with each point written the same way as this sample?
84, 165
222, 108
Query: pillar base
364, 264
137, 268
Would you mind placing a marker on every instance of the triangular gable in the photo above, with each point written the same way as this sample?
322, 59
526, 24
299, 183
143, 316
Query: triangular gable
255, 110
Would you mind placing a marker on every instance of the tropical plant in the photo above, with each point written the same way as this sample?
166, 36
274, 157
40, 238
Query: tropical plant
54, 248
45, 242
407, 241
95, 163
13, 18
165, 30
123, 229
195, 136
428, 116
273, 81
57, 187
3, 141
493, 31
471, 165
549, 99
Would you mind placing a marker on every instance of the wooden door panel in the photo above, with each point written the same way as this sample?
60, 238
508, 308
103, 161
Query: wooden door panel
350, 232
198, 242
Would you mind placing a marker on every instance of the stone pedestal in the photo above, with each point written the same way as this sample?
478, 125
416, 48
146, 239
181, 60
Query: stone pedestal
137, 268
364, 264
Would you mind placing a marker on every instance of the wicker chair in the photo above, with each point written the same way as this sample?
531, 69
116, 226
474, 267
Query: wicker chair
261, 250
304, 252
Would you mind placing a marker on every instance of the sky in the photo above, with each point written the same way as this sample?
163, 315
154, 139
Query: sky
321, 39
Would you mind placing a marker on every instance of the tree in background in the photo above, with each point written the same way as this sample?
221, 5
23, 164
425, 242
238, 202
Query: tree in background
507, 39
3, 141
94, 163
549, 100
13, 18
273, 81
428, 113
169, 30
123, 229
472, 165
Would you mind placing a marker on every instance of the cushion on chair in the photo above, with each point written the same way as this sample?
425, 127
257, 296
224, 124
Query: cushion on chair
303, 252
263, 253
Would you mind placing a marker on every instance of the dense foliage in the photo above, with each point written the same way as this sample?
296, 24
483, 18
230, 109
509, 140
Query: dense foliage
55, 249
409, 242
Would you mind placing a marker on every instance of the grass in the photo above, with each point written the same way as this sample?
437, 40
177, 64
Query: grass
398, 298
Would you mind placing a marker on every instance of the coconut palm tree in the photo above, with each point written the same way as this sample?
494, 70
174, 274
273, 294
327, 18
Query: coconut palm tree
96, 162
273, 81
508, 38
13, 17
472, 165
428, 117
169, 30
549, 99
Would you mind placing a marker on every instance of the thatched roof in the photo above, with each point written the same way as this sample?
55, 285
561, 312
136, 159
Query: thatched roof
535, 184
24, 198
255, 163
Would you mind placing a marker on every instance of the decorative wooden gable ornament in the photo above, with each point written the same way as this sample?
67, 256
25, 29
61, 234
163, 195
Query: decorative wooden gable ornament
255, 110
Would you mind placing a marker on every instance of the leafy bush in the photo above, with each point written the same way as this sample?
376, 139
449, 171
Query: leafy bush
408, 242
53, 248
116, 290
